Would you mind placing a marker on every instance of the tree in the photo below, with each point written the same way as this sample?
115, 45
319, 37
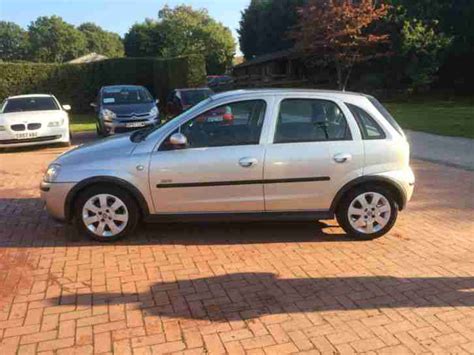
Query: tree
143, 40
183, 30
53, 40
101, 41
336, 32
13, 41
264, 26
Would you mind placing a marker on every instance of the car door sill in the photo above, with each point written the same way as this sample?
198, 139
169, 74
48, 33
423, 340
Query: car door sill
289, 216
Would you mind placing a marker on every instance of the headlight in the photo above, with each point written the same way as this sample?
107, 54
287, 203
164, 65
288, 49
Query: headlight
2, 128
154, 111
56, 123
107, 115
52, 173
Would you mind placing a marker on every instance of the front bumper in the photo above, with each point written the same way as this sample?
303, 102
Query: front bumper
54, 195
44, 136
117, 126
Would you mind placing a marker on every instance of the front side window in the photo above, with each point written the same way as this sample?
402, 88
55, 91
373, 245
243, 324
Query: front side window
310, 120
25, 104
369, 128
237, 123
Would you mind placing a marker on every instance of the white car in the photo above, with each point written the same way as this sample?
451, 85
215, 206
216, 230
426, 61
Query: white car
33, 119
299, 154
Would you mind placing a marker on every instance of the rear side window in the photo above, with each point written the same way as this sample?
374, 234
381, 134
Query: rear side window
369, 128
383, 111
310, 120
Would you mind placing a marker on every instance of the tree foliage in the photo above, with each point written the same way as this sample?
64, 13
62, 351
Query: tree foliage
264, 26
101, 41
13, 41
336, 32
180, 31
54, 40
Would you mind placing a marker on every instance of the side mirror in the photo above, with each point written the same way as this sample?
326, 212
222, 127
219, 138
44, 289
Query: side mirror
178, 140
67, 107
93, 104
157, 101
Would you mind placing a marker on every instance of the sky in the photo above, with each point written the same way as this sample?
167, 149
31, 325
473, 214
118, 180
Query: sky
114, 15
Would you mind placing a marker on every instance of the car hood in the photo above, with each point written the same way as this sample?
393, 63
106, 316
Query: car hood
31, 116
105, 149
130, 108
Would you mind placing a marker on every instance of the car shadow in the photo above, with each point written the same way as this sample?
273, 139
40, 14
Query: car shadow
252, 295
25, 223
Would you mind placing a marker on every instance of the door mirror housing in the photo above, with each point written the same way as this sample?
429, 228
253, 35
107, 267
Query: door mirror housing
67, 107
93, 104
157, 101
178, 140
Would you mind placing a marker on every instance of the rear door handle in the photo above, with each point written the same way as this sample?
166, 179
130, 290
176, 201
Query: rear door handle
247, 162
342, 158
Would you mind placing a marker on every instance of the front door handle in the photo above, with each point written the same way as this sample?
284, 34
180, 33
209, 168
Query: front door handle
247, 162
342, 158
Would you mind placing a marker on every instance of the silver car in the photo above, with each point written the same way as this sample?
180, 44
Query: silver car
242, 155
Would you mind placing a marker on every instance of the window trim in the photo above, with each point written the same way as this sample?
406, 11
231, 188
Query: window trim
348, 138
362, 129
178, 128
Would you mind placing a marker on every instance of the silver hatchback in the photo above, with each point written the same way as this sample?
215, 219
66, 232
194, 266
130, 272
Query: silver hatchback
242, 155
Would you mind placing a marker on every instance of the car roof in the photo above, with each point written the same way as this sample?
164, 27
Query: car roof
269, 92
122, 86
193, 89
29, 95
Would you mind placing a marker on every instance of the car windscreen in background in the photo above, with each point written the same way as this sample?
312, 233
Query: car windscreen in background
192, 97
125, 95
384, 112
30, 104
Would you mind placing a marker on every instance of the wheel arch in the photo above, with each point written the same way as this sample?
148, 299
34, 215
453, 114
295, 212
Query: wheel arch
81, 186
388, 183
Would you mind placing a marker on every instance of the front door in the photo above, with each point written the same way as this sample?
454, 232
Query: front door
221, 167
314, 153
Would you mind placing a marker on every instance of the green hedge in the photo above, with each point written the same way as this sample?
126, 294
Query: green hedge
78, 84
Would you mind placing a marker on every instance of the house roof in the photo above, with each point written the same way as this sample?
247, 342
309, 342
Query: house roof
267, 58
88, 58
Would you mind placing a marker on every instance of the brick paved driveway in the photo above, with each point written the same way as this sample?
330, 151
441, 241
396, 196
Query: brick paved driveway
238, 288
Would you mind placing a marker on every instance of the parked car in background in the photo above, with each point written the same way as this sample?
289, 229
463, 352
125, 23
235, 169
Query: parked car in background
220, 82
33, 119
180, 100
280, 154
123, 108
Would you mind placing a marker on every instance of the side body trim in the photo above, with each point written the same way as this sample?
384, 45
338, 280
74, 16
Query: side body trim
243, 182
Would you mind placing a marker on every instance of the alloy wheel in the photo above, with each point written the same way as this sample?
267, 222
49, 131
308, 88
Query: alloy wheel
369, 212
105, 215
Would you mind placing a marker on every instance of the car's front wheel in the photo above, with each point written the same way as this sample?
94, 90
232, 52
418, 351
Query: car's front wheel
367, 212
105, 213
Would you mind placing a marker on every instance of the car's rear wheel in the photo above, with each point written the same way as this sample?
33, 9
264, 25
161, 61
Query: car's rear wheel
105, 213
367, 212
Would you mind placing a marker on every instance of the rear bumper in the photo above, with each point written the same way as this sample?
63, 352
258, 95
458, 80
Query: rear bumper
54, 195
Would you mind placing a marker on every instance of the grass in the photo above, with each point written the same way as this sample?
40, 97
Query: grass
446, 118
82, 122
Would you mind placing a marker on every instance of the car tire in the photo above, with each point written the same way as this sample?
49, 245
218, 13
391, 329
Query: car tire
100, 131
105, 213
367, 212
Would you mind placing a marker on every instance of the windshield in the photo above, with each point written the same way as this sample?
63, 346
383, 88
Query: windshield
192, 97
125, 95
141, 134
33, 103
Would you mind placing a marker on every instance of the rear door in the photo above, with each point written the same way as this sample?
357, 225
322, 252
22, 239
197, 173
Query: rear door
316, 149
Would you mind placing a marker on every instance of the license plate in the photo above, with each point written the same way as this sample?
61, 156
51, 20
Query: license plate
26, 135
135, 124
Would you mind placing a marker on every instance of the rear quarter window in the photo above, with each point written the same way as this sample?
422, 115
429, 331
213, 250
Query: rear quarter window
384, 112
